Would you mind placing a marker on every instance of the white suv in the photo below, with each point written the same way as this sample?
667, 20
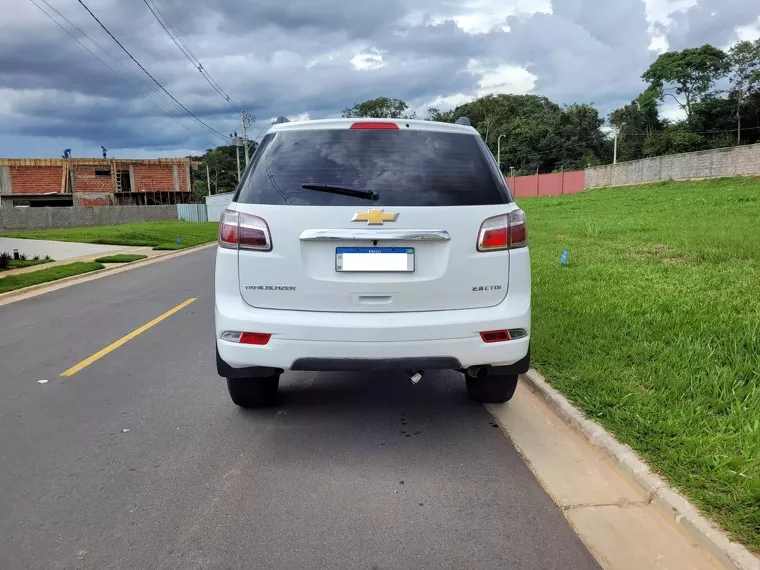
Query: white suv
366, 244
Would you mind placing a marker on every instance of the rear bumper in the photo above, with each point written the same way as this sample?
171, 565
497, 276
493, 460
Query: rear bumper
302, 340
359, 341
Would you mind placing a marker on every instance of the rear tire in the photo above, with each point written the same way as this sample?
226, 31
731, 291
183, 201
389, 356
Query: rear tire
492, 389
254, 392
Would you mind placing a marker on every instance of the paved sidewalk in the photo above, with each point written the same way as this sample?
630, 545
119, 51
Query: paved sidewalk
58, 250
614, 518
146, 251
64, 252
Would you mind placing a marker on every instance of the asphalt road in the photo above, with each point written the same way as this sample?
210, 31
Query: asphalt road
141, 460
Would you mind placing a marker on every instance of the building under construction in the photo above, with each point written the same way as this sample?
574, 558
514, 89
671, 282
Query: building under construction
91, 182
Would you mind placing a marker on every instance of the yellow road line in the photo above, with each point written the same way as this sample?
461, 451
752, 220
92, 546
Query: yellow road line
125, 339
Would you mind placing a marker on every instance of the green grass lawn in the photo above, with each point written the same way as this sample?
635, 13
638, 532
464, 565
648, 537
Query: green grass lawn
120, 258
13, 282
23, 263
159, 235
653, 329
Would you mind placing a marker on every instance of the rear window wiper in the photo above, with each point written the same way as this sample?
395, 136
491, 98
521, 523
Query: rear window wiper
366, 194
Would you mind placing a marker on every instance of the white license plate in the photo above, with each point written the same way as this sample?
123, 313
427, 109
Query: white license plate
374, 259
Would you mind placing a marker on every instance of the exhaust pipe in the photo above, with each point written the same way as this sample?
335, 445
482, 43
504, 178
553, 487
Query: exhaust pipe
478, 371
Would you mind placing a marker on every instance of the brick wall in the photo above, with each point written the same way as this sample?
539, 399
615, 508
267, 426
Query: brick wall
40, 176
35, 179
86, 180
158, 178
555, 184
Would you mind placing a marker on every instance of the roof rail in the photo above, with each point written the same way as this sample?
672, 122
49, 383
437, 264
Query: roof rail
280, 120
463, 121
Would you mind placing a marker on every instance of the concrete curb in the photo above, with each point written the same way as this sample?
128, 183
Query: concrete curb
34, 290
668, 500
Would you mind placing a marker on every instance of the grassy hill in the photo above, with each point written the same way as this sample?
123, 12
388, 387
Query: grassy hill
653, 329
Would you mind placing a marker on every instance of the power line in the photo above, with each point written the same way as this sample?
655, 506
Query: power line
115, 72
210, 128
124, 66
186, 51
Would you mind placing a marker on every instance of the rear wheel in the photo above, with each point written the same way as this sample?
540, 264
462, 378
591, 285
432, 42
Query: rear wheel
253, 392
492, 389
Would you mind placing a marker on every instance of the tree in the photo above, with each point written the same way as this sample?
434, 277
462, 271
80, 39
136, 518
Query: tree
579, 128
674, 139
637, 121
379, 108
435, 114
687, 76
744, 61
222, 170
537, 134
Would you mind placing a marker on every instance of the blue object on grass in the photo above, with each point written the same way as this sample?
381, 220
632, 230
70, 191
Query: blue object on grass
179, 240
563, 258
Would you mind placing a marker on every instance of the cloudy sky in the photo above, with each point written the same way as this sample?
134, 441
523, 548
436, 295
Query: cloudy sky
312, 58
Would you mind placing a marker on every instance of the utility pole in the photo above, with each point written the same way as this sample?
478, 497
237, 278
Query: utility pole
739, 120
244, 117
617, 132
208, 180
236, 142
498, 151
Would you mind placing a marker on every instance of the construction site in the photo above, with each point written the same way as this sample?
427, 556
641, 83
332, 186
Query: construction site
94, 182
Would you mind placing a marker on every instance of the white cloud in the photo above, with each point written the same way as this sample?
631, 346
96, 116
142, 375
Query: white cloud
502, 79
750, 32
660, 11
312, 58
368, 60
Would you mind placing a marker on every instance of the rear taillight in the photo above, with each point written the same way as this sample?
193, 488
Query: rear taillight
259, 339
495, 336
243, 231
507, 231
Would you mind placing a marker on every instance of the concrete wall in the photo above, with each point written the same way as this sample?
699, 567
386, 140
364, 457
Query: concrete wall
733, 161
42, 218
5, 180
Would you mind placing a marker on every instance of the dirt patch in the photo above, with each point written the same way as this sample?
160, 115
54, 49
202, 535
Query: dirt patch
660, 252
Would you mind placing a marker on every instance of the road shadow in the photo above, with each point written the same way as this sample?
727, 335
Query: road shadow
368, 416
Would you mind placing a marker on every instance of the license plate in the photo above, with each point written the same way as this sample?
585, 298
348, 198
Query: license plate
369, 259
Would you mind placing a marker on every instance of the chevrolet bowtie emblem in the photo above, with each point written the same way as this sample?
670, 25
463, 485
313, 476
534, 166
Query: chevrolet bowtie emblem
374, 217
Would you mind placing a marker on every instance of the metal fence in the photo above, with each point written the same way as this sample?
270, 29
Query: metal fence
216, 204
192, 213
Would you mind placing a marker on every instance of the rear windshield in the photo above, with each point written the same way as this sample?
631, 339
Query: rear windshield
404, 167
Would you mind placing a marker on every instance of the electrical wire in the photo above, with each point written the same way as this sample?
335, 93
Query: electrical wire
187, 52
116, 73
121, 63
199, 121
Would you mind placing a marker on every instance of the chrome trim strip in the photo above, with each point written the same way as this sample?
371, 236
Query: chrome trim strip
374, 235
